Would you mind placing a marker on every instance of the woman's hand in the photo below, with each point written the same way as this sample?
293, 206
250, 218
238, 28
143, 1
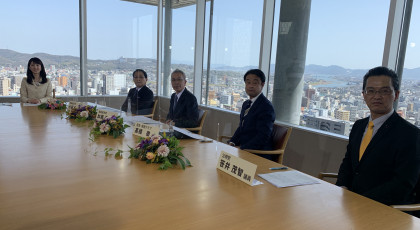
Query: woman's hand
34, 101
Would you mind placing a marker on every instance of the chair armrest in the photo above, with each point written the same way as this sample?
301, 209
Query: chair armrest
223, 137
276, 152
330, 175
407, 207
193, 129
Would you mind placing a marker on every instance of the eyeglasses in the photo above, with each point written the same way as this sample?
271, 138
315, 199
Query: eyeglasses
381, 92
177, 79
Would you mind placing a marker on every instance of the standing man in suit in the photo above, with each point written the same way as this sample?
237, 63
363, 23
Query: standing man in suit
141, 96
257, 116
382, 161
183, 110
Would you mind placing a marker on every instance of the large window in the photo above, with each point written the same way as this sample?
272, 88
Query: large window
345, 40
121, 37
235, 47
409, 103
179, 41
46, 29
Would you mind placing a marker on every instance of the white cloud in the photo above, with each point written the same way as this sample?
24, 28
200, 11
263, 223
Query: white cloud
412, 44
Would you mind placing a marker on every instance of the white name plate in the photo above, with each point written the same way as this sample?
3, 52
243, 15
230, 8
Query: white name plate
102, 114
237, 167
75, 104
144, 130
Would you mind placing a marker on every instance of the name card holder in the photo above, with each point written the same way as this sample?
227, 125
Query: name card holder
144, 130
239, 168
102, 114
75, 104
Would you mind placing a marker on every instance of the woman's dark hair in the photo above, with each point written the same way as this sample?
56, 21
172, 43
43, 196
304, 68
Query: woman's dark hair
30, 75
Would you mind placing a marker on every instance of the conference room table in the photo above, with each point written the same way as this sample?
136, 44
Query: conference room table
52, 176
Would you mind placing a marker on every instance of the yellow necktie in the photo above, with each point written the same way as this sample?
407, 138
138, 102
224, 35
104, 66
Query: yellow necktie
366, 139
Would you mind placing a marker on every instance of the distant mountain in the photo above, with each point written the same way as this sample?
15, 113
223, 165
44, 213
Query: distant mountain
13, 58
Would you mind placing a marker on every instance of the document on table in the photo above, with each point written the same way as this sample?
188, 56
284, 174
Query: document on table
29, 104
288, 178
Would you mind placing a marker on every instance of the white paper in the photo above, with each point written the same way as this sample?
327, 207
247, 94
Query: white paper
29, 104
256, 182
288, 178
190, 134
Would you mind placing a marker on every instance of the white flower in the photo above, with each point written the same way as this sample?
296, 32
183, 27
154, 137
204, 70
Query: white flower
104, 127
163, 151
112, 121
84, 114
155, 137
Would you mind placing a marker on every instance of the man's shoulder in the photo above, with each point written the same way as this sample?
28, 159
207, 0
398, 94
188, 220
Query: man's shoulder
262, 100
403, 124
188, 94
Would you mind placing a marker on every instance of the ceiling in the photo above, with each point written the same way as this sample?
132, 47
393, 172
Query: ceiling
175, 3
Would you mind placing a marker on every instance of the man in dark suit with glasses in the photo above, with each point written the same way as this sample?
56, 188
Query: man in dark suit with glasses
382, 161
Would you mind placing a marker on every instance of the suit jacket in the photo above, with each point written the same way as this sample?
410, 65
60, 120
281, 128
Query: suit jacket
141, 102
254, 131
185, 114
390, 166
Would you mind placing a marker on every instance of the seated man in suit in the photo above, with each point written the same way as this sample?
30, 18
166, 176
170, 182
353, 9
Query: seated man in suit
257, 116
141, 97
382, 161
183, 110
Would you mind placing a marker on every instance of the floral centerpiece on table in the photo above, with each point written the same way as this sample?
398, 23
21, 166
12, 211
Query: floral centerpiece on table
82, 113
53, 104
161, 150
109, 126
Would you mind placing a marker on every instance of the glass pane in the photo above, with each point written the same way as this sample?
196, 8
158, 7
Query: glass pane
26, 35
235, 49
121, 37
273, 49
409, 103
178, 42
345, 40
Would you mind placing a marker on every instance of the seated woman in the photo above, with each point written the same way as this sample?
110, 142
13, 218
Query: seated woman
35, 87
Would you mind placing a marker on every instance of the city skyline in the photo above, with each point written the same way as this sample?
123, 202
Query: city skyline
340, 42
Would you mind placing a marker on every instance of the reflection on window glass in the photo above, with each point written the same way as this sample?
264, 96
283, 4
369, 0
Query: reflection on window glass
26, 35
121, 37
235, 48
341, 48
409, 103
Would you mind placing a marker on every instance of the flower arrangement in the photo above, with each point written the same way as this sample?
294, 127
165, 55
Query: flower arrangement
82, 113
53, 104
160, 149
110, 126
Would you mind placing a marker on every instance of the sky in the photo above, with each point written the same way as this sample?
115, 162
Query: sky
350, 34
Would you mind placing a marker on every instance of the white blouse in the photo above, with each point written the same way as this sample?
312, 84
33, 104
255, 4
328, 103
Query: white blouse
38, 91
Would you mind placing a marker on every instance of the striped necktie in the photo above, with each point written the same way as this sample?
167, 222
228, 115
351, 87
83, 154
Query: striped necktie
366, 139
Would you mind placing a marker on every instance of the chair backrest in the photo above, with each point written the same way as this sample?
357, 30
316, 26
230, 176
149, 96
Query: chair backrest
154, 107
151, 115
280, 136
201, 117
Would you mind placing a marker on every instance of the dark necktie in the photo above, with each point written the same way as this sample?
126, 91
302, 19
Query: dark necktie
245, 107
175, 101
